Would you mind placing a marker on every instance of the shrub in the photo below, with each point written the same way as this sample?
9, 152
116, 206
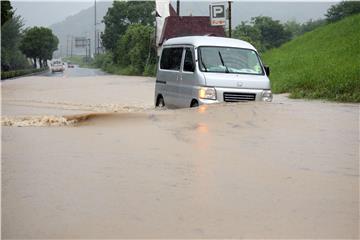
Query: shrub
21, 72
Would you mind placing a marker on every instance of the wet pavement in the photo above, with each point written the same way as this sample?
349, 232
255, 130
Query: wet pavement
76, 71
94, 159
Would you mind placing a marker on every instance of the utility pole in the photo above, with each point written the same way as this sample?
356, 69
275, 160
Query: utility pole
67, 45
178, 7
98, 42
95, 52
71, 48
229, 19
89, 48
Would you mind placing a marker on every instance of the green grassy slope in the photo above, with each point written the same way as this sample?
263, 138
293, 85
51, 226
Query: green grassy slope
322, 64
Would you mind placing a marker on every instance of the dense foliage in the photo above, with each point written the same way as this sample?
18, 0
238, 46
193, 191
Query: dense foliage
11, 56
129, 39
39, 43
121, 15
323, 63
342, 10
35, 43
134, 48
6, 11
11, 33
21, 72
298, 29
265, 33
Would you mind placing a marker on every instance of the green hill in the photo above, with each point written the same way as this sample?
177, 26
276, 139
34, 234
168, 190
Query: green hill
322, 64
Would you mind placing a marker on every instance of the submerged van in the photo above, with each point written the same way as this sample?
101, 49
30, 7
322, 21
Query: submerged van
202, 69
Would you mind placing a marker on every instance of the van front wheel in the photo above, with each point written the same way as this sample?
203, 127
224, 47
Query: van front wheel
160, 102
194, 103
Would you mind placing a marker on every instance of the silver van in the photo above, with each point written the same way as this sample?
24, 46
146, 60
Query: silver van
201, 70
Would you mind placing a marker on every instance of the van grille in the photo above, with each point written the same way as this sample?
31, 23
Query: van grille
239, 97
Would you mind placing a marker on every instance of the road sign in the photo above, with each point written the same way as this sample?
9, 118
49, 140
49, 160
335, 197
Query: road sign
81, 42
217, 14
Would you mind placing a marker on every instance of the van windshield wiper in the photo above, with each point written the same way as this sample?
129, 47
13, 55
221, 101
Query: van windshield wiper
202, 62
222, 61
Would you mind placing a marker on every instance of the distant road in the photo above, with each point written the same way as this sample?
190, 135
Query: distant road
75, 72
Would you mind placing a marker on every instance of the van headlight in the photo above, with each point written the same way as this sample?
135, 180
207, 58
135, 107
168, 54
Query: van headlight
207, 93
266, 96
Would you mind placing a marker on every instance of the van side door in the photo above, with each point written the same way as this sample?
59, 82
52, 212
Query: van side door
169, 74
188, 77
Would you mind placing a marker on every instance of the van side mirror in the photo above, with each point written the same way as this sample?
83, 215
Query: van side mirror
267, 70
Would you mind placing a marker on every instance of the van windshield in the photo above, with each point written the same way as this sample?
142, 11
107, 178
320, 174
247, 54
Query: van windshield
229, 60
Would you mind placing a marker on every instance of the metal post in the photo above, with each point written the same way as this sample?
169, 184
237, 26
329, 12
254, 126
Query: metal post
178, 7
89, 48
95, 52
67, 45
230, 19
98, 42
71, 49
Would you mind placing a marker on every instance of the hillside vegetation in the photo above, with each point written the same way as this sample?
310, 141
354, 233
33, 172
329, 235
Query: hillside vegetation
322, 64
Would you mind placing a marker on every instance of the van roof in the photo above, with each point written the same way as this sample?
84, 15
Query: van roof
198, 41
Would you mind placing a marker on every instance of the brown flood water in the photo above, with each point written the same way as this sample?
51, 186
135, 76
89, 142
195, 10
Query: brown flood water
93, 159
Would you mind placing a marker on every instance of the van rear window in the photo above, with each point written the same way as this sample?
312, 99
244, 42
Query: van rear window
171, 58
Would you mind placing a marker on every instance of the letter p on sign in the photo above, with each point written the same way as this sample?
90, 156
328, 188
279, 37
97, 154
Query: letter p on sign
218, 11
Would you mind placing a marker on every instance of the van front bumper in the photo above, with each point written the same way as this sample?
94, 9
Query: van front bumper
239, 95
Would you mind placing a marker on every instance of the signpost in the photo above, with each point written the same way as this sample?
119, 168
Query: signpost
81, 42
217, 14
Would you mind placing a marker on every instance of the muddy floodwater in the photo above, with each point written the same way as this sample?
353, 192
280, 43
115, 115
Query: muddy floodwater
89, 157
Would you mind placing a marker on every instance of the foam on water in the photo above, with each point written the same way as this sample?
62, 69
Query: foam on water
107, 107
36, 121
46, 120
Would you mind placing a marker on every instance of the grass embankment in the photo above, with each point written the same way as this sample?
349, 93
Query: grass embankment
21, 72
322, 64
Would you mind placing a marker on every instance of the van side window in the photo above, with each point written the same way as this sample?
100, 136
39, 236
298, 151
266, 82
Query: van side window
188, 61
171, 58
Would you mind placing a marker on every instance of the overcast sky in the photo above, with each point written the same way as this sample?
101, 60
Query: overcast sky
46, 13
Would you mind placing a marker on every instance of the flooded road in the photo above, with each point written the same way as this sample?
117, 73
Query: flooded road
106, 164
76, 71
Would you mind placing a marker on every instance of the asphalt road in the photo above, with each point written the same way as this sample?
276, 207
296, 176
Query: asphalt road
75, 72
90, 157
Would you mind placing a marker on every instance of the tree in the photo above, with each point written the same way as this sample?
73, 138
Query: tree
6, 11
263, 32
311, 25
135, 49
39, 43
121, 15
11, 57
248, 33
273, 34
293, 27
342, 10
